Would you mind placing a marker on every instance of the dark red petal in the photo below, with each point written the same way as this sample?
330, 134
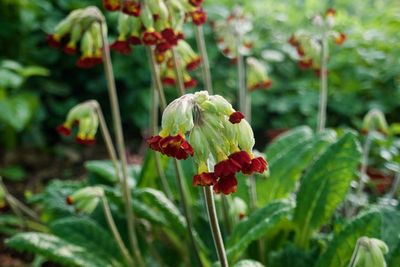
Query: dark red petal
52, 41
196, 2
111, 5
63, 130
199, 17
121, 47
168, 81
241, 157
154, 142
162, 47
204, 179
192, 65
226, 185
169, 35
226, 167
257, 165
190, 83
236, 117
131, 8
151, 38
134, 40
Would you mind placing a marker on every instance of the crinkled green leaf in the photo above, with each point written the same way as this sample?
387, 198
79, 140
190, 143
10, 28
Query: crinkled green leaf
248, 263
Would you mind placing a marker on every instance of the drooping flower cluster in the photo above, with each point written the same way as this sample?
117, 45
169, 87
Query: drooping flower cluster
375, 121
83, 115
85, 200
80, 30
232, 34
153, 22
220, 140
257, 75
308, 44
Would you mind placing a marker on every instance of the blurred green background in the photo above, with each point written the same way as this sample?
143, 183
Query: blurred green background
38, 84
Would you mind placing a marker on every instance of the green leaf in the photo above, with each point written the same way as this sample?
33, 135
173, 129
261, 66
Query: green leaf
339, 251
13, 173
57, 250
10, 79
10, 224
148, 174
34, 71
105, 170
248, 263
394, 260
287, 141
18, 110
286, 169
292, 256
324, 186
256, 225
144, 211
87, 233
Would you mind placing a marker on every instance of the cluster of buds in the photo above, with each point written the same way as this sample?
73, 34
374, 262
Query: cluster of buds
85, 200
375, 121
257, 75
85, 116
82, 27
369, 252
153, 22
231, 34
220, 140
189, 61
308, 44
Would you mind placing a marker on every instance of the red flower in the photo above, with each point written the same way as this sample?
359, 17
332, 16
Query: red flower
169, 35
305, 63
85, 141
180, 36
226, 185
176, 146
63, 130
160, 57
196, 2
204, 179
257, 165
168, 81
70, 50
241, 157
86, 62
293, 41
199, 17
190, 83
162, 47
236, 117
131, 8
340, 39
192, 65
53, 40
226, 168
121, 47
154, 142
300, 51
112, 5
135, 40
151, 38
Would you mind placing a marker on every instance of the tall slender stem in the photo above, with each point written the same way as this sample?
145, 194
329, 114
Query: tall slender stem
178, 72
364, 165
201, 44
178, 169
114, 231
120, 146
395, 186
323, 95
216, 232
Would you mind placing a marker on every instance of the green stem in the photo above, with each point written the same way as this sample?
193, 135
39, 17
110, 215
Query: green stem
178, 169
178, 72
323, 95
355, 254
225, 212
201, 44
114, 231
216, 232
120, 146
364, 165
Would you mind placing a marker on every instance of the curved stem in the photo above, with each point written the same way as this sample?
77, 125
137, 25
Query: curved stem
216, 232
323, 95
178, 169
201, 44
120, 146
114, 231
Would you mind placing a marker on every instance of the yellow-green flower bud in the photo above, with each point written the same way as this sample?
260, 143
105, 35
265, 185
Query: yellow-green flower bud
123, 26
369, 252
375, 121
86, 199
146, 16
245, 136
177, 116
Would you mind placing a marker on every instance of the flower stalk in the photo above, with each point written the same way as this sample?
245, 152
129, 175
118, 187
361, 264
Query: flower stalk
201, 44
323, 95
120, 146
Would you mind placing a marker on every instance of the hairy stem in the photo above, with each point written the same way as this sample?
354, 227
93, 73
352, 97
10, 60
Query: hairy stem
216, 232
205, 66
323, 94
178, 169
120, 147
115, 233
364, 165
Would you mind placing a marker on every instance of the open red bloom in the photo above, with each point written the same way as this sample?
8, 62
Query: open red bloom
70, 50
86, 62
169, 81
266, 84
241, 157
236, 117
112, 5
63, 130
154, 142
162, 47
180, 36
305, 63
226, 185
169, 35
135, 40
121, 47
196, 2
199, 17
257, 165
204, 179
131, 8
340, 39
176, 147
53, 41
85, 141
190, 83
300, 51
192, 65
151, 38
226, 168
